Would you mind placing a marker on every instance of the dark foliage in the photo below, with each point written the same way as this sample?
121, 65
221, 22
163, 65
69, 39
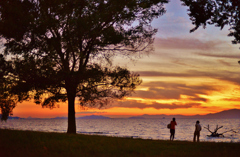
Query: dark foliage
7, 99
59, 48
216, 12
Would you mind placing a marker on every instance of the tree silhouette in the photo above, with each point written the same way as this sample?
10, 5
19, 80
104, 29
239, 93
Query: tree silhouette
60, 48
7, 100
216, 12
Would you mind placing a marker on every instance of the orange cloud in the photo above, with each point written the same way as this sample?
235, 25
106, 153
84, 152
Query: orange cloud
154, 105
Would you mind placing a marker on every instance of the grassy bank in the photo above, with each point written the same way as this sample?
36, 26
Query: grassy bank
38, 144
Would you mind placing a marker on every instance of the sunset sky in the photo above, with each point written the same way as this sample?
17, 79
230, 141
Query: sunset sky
187, 73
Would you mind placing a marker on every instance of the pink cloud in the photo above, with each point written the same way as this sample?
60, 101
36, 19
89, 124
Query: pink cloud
186, 43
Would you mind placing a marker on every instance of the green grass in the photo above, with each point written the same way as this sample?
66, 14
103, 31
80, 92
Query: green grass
15, 143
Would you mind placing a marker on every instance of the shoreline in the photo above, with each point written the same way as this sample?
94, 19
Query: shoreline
144, 129
35, 143
127, 137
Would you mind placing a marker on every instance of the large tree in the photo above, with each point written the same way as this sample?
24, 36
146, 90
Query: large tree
59, 48
216, 12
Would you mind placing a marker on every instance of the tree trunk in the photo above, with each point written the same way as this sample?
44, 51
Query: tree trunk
71, 115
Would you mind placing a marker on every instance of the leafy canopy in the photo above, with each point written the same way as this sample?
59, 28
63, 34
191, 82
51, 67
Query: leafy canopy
216, 12
59, 48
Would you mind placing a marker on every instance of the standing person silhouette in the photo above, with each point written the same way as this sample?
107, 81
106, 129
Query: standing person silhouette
172, 129
198, 128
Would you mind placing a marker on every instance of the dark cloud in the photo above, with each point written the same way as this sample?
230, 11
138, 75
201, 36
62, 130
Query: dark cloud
188, 43
183, 63
232, 99
155, 105
156, 93
166, 74
199, 99
229, 76
224, 62
89, 112
230, 56
189, 73
167, 91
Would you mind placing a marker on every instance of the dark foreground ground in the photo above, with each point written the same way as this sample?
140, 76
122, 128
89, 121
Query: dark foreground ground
38, 144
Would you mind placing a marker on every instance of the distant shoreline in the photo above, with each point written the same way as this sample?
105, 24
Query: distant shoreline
227, 114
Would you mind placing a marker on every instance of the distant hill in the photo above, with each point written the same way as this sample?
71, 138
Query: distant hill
60, 118
10, 117
233, 113
136, 117
93, 117
85, 117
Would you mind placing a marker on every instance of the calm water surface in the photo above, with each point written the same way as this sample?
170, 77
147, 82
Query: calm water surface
135, 128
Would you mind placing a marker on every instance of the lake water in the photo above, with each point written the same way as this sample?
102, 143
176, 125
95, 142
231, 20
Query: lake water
134, 128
